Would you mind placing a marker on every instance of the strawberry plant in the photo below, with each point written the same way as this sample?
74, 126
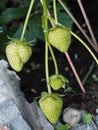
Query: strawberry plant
55, 34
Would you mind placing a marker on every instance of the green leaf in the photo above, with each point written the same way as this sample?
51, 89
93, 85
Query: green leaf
63, 17
64, 127
11, 14
65, 20
87, 118
18, 32
35, 29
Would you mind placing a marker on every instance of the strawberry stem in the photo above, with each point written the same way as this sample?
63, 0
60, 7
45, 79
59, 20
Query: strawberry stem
26, 20
85, 45
55, 12
54, 59
51, 19
45, 27
50, 48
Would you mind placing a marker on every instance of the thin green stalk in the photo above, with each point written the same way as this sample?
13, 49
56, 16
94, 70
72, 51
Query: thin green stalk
50, 48
54, 59
55, 12
46, 67
26, 20
45, 27
53, 25
88, 73
85, 45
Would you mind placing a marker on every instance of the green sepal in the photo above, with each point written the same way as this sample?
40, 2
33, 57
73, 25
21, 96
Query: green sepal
57, 81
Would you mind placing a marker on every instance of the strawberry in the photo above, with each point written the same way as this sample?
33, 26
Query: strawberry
51, 105
60, 38
57, 81
24, 51
18, 53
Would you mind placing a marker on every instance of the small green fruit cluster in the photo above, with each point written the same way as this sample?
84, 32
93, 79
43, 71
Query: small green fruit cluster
60, 38
51, 105
57, 81
18, 53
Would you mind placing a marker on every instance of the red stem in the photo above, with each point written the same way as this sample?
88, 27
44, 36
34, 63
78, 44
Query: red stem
53, 24
75, 72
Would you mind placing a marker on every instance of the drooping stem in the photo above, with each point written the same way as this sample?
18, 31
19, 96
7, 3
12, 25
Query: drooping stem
78, 25
85, 45
55, 12
26, 20
75, 72
54, 59
50, 48
45, 28
87, 22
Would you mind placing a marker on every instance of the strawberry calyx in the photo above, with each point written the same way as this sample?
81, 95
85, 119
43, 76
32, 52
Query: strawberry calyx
45, 95
57, 81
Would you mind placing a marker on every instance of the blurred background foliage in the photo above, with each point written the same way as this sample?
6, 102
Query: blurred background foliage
12, 16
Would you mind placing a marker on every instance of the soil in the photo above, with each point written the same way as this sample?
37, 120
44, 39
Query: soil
33, 76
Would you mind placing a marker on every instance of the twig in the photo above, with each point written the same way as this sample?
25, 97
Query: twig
74, 71
87, 22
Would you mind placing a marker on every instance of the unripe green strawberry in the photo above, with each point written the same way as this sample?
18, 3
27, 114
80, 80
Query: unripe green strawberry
18, 53
60, 38
24, 51
51, 105
57, 81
